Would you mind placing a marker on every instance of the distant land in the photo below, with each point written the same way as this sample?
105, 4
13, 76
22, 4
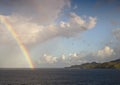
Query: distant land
115, 64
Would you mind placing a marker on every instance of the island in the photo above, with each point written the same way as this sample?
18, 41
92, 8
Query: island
115, 64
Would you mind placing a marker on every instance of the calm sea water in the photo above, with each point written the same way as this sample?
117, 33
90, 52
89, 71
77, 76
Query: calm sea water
59, 77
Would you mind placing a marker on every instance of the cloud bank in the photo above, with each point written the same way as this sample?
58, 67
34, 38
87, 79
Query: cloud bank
31, 32
101, 55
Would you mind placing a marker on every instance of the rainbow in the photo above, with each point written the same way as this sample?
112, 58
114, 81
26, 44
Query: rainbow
18, 40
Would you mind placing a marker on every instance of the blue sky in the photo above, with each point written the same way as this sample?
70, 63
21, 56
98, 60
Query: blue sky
61, 33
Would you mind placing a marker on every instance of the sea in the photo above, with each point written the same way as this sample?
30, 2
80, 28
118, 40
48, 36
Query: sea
59, 77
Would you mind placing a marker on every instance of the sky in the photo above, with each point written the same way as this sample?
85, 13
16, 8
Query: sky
58, 33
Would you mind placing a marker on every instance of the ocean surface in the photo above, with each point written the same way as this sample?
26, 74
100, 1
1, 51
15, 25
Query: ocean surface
59, 77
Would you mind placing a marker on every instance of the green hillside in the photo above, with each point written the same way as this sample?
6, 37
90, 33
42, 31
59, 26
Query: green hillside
106, 65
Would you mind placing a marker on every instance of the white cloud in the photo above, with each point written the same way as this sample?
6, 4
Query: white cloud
75, 25
105, 52
102, 55
92, 22
75, 55
30, 32
63, 57
48, 59
72, 58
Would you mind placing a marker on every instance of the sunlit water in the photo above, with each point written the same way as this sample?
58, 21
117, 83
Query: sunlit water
59, 77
